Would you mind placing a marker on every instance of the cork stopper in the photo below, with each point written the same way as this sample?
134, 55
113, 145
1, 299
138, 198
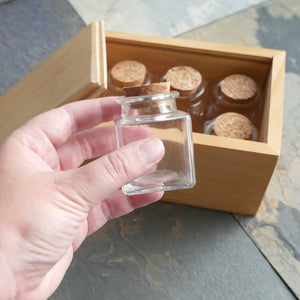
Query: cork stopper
238, 87
128, 73
184, 79
233, 125
149, 89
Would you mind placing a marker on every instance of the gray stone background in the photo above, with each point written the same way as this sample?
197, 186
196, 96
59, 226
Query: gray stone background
168, 251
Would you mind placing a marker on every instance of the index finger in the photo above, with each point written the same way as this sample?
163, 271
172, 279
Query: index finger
60, 123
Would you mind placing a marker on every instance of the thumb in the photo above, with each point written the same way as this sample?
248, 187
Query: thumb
92, 183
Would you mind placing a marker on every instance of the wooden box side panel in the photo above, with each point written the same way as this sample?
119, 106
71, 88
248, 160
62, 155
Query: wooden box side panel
66, 75
159, 59
276, 103
218, 49
229, 180
271, 128
264, 128
98, 55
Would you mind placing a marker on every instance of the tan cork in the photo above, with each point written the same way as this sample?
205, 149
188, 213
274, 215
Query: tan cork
238, 87
233, 125
150, 89
184, 79
128, 73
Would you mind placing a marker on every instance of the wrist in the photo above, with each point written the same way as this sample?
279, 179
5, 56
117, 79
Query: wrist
7, 282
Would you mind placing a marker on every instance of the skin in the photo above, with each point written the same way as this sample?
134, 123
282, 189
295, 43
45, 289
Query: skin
49, 204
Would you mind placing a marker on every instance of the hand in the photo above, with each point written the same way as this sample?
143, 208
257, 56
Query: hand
48, 204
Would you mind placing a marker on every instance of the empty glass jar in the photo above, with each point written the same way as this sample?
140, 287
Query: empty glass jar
157, 116
192, 95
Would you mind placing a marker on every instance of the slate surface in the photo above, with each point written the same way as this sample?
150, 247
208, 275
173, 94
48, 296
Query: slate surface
30, 31
164, 251
156, 17
168, 251
276, 227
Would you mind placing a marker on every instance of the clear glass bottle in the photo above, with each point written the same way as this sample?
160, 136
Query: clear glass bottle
240, 94
232, 125
193, 93
157, 116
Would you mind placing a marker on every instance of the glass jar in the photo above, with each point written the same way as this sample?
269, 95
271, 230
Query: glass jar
236, 93
127, 73
193, 93
232, 125
157, 116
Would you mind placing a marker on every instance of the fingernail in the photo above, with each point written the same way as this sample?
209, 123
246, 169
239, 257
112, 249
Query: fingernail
152, 150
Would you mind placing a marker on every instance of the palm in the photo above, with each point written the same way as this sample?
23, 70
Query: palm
54, 206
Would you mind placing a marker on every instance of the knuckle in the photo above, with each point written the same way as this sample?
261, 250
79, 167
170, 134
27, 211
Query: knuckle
107, 210
72, 193
62, 185
118, 166
85, 151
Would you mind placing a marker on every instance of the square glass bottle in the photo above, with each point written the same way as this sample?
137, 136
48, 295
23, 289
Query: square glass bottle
156, 115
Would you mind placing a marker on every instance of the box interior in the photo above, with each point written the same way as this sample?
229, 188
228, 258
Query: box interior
213, 66
232, 174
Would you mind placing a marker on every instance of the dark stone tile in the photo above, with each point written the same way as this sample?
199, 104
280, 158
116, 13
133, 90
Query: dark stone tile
30, 31
168, 251
280, 32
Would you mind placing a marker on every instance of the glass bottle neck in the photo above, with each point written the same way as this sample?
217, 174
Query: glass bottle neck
148, 107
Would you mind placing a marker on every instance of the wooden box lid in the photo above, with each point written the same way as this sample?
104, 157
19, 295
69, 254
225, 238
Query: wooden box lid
75, 71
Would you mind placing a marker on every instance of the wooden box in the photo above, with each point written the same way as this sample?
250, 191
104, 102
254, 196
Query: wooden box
232, 175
